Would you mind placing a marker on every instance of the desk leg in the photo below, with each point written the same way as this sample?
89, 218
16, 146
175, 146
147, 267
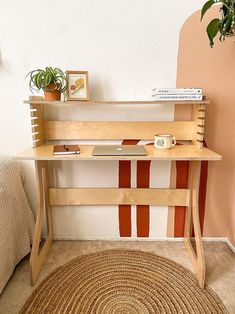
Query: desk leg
192, 219
37, 258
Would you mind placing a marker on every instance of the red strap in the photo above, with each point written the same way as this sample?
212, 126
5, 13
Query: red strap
202, 192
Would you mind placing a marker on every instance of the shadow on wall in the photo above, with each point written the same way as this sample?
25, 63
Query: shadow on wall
1, 62
3, 66
213, 69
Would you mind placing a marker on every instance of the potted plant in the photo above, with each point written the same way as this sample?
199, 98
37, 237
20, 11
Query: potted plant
223, 25
52, 81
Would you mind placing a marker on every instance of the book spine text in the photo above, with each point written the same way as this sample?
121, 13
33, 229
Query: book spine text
177, 91
177, 97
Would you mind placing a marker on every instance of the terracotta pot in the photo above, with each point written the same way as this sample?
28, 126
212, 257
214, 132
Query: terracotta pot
50, 93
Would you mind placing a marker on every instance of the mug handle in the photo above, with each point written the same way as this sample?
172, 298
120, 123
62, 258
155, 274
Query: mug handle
173, 141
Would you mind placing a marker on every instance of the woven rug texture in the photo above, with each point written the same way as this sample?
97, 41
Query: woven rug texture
122, 282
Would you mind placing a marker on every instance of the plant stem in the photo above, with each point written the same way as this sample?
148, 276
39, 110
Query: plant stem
223, 3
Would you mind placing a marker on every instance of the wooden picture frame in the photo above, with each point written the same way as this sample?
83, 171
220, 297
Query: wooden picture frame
78, 85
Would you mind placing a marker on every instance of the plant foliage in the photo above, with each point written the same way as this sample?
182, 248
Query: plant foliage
41, 79
224, 25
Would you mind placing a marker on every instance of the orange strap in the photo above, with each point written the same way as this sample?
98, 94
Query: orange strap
143, 176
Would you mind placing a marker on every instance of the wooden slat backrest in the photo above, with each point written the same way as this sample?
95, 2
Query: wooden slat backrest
115, 130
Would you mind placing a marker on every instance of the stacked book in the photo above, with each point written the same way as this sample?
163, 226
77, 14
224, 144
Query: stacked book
177, 94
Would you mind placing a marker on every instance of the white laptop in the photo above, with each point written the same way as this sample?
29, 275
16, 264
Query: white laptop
119, 150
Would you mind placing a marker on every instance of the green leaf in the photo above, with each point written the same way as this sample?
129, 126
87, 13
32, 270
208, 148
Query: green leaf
227, 7
227, 23
212, 30
32, 73
51, 71
62, 81
48, 79
37, 80
206, 7
32, 83
59, 72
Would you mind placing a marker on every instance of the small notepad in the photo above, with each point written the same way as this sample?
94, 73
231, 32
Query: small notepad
66, 149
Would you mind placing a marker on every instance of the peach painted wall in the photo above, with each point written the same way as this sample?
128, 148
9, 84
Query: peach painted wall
213, 70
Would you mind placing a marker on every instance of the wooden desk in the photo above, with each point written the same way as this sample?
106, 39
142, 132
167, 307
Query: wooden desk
53, 130
182, 152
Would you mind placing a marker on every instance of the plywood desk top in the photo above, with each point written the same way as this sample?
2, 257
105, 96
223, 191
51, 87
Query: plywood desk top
182, 152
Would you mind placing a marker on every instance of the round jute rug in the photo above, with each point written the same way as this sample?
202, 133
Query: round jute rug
122, 282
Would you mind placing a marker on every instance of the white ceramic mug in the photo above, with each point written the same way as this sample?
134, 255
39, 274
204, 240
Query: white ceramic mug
164, 141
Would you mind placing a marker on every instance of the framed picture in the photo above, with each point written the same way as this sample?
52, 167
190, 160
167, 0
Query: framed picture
78, 88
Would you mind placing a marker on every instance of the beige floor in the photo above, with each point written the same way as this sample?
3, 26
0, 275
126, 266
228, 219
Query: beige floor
220, 262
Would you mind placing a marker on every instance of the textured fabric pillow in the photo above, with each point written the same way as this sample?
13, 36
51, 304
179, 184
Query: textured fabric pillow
16, 219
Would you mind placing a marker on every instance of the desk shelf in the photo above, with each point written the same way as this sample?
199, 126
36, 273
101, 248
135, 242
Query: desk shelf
44, 130
116, 102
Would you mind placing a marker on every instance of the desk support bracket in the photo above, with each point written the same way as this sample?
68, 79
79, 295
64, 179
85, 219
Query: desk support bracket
192, 221
37, 258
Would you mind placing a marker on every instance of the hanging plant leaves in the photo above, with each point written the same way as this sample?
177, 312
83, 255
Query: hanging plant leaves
206, 7
213, 29
227, 24
224, 25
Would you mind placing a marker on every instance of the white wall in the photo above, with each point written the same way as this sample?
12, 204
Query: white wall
128, 47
